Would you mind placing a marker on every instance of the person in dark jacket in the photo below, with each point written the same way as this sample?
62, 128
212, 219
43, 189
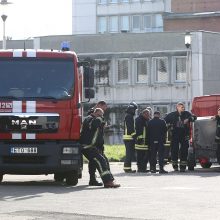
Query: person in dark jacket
179, 121
92, 165
217, 134
157, 135
129, 136
91, 137
141, 140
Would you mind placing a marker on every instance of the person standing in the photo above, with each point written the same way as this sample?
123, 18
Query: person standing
217, 134
92, 165
179, 120
91, 137
157, 135
141, 140
129, 136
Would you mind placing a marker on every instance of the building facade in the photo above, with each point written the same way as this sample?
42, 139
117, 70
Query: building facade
193, 15
152, 69
115, 16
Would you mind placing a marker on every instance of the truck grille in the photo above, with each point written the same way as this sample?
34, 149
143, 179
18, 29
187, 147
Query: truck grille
23, 160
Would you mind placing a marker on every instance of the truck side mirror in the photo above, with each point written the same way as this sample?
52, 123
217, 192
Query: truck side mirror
89, 93
88, 77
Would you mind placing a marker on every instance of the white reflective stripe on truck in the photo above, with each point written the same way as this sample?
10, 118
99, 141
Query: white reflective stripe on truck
30, 108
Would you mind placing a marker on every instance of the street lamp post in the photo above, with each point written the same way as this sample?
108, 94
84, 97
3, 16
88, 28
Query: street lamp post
3, 3
188, 42
4, 17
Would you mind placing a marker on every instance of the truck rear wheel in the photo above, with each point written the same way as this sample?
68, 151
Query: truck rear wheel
206, 165
72, 178
59, 177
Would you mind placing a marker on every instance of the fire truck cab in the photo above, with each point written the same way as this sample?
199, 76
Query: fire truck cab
40, 113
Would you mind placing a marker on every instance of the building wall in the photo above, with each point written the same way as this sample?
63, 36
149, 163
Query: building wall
201, 23
180, 6
211, 63
90, 15
84, 17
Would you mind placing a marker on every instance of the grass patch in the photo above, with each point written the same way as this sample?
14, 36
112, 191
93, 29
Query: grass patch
114, 153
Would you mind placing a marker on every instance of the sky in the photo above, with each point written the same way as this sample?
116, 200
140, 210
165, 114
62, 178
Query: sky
32, 18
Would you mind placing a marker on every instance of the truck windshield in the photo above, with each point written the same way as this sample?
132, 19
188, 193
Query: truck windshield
43, 78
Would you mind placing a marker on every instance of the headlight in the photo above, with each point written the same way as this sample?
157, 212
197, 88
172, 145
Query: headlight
70, 150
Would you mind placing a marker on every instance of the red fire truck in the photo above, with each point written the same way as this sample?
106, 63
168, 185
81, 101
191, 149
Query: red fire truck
40, 113
203, 147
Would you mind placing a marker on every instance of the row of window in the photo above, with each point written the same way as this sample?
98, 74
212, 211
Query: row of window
132, 23
120, 1
142, 70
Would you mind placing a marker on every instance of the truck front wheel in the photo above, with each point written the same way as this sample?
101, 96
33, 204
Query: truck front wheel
72, 178
59, 177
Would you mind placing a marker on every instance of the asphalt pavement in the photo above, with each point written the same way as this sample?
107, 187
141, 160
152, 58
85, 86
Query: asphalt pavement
190, 195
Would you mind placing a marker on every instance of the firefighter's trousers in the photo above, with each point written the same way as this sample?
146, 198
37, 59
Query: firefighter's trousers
179, 149
156, 149
92, 164
93, 155
130, 153
142, 159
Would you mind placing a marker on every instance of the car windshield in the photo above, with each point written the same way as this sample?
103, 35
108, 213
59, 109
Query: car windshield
43, 78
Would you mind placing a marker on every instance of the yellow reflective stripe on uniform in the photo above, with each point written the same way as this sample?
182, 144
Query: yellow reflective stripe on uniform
93, 140
133, 133
105, 173
141, 147
127, 137
95, 136
174, 162
183, 162
99, 165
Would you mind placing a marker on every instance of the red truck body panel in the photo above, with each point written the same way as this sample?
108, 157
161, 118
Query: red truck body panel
206, 105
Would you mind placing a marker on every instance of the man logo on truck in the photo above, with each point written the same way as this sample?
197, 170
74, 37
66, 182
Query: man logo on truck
24, 123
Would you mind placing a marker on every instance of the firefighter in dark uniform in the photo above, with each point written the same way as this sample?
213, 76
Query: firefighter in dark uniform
180, 122
141, 140
157, 136
217, 134
92, 165
90, 138
129, 136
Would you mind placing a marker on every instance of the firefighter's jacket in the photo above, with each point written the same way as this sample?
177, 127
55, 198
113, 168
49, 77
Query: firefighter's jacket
176, 121
157, 131
141, 136
92, 132
129, 127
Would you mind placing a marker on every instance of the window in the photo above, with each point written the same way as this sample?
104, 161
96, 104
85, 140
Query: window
158, 20
180, 69
102, 1
135, 0
163, 109
102, 24
142, 70
136, 23
113, 1
147, 20
124, 1
102, 68
125, 23
113, 24
38, 75
123, 70
161, 69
